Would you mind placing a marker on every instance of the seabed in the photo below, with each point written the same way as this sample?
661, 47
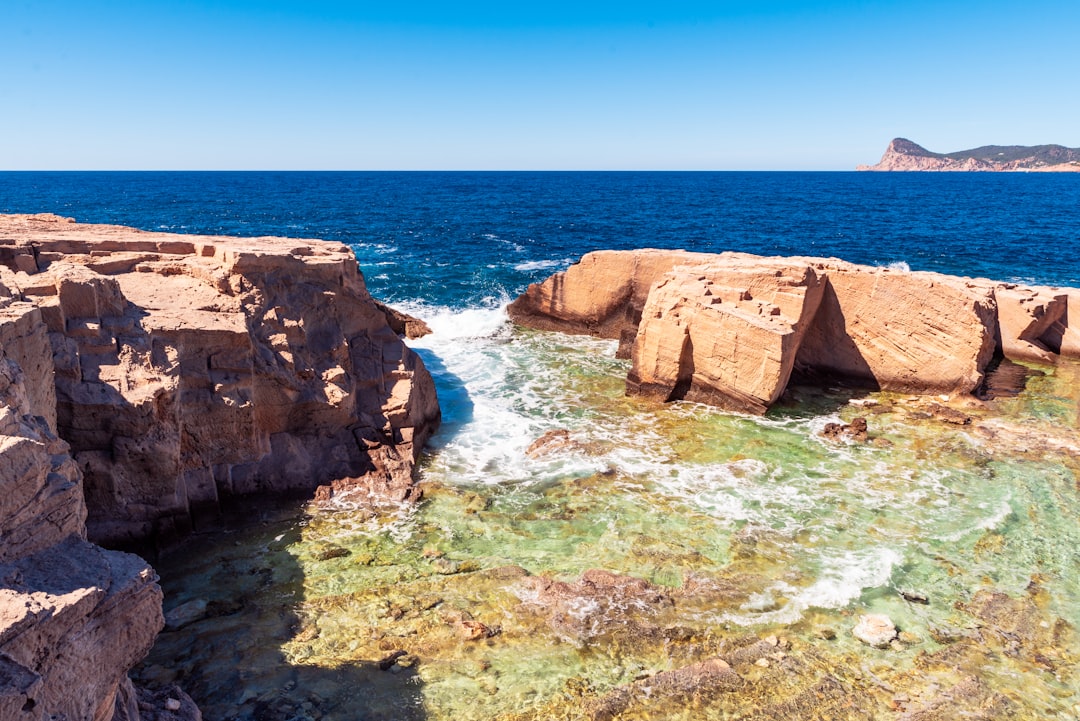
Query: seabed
603, 576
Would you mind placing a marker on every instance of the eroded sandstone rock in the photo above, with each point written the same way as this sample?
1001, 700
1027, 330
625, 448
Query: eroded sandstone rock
73, 617
191, 370
602, 295
731, 329
725, 335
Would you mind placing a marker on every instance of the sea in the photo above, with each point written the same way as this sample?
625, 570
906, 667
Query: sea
481, 602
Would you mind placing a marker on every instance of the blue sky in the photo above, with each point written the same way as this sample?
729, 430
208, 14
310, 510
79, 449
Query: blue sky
322, 84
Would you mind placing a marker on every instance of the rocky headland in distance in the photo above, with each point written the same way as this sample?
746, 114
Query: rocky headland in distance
902, 154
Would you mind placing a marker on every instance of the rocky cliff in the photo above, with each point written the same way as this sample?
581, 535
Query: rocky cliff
145, 379
732, 329
73, 617
902, 154
191, 370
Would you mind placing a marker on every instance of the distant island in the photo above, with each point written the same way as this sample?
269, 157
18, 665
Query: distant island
902, 154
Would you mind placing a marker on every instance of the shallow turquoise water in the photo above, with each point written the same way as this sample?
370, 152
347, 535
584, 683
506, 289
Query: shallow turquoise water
754, 527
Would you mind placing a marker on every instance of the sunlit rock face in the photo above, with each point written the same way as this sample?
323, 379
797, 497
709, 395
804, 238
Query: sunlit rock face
193, 369
731, 329
73, 617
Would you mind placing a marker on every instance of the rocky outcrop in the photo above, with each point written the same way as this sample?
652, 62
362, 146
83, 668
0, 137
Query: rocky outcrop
724, 334
732, 329
73, 617
902, 154
190, 370
602, 295
144, 379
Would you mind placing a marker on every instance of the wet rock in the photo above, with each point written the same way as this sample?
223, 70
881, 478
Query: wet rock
408, 661
551, 442
472, 630
386, 662
915, 597
856, 430
825, 633
875, 629
948, 634
949, 415
970, 698
695, 683
325, 554
446, 567
185, 614
600, 603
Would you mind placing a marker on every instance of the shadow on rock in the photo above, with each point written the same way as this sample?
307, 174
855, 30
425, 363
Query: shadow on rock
231, 600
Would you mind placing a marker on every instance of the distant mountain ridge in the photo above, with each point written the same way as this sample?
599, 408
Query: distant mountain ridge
902, 154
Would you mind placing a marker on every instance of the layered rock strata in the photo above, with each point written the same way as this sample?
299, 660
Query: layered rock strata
144, 379
732, 329
73, 617
194, 369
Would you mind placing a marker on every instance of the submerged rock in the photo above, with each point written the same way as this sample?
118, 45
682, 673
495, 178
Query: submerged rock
185, 614
600, 603
856, 430
875, 629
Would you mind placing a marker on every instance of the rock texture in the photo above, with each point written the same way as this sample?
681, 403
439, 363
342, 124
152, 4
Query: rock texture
144, 379
724, 334
191, 369
602, 295
902, 154
73, 617
732, 329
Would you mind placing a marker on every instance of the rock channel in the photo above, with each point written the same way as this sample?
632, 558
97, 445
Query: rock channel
732, 329
147, 379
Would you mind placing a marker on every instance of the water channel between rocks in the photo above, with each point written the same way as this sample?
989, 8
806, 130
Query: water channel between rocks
600, 574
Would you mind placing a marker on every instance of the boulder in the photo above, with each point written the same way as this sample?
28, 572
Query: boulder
724, 334
875, 629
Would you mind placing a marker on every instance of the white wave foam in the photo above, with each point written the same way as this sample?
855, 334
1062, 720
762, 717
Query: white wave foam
992, 522
542, 264
898, 266
842, 579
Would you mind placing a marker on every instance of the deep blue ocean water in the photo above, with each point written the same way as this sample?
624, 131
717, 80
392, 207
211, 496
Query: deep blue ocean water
456, 239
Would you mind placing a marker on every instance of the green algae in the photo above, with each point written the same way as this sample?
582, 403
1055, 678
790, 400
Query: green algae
741, 528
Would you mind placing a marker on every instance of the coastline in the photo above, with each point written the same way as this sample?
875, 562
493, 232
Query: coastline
305, 567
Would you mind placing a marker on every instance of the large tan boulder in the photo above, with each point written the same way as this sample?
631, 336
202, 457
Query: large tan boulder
191, 370
725, 334
899, 330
